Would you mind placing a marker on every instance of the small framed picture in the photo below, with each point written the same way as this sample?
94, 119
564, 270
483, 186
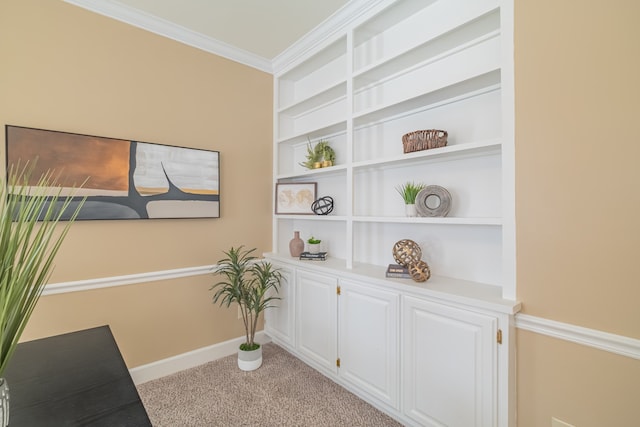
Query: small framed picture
295, 198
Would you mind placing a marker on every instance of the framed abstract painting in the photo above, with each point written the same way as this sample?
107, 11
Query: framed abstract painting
123, 179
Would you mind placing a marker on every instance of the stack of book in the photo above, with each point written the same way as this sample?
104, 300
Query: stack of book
318, 256
397, 271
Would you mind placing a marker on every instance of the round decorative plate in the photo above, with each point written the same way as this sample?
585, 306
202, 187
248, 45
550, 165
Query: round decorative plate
431, 191
406, 252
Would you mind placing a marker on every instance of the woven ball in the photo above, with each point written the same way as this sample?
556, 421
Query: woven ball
420, 271
406, 252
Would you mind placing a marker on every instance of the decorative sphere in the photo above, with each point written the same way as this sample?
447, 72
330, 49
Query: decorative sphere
406, 252
420, 271
323, 206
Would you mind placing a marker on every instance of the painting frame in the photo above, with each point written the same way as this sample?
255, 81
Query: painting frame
295, 198
123, 178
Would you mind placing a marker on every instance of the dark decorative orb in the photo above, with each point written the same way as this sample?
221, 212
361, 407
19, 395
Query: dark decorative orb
322, 206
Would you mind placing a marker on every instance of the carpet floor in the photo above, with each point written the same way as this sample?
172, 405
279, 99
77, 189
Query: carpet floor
284, 391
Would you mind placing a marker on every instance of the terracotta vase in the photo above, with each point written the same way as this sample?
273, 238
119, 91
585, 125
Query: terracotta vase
296, 245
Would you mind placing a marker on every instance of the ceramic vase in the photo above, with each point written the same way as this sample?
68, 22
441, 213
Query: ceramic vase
410, 210
296, 245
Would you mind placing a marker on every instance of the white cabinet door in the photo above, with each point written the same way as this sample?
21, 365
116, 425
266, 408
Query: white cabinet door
316, 319
279, 319
368, 340
449, 365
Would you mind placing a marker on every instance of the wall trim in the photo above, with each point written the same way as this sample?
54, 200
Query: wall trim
618, 344
171, 365
129, 15
307, 43
130, 279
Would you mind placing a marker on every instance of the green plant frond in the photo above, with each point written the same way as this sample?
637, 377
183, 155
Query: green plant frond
409, 191
249, 282
30, 237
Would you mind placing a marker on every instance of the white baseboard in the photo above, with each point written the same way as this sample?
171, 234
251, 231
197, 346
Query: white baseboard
191, 359
618, 344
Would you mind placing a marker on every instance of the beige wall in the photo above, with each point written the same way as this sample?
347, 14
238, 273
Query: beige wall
577, 155
64, 68
577, 200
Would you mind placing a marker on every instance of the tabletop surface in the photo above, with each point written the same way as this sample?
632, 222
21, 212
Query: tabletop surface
74, 379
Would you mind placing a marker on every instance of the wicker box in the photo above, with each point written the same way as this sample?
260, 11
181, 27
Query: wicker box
423, 140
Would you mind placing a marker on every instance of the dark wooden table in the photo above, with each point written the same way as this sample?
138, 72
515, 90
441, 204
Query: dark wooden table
74, 379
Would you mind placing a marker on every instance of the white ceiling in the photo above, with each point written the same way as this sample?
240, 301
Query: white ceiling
253, 32
262, 27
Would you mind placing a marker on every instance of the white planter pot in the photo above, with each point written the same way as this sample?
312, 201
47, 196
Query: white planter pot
410, 210
313, 248
4, 403
250, 360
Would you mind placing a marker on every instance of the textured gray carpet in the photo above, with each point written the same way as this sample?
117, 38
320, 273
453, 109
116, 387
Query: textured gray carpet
282, 392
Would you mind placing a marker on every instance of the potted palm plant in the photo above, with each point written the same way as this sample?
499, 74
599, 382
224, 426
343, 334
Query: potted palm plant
29, 241
253, 285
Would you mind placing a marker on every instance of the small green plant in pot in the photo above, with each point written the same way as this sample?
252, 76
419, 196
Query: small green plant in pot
314, 157
320, 155
313, 245
253, 284
409, 191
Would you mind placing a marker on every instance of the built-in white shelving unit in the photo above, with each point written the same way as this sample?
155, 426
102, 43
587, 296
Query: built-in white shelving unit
404, 66
395, 67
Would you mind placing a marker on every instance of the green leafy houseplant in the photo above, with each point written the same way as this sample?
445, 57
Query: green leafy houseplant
321, 152
29, 241
313, 241
313, 156
247, 281
409, 191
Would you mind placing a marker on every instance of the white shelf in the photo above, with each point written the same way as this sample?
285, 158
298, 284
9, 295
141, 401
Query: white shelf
453, 151
445, 95
391, 38
312, 217
333, 127
430, 220
443, 287
332, 93
313, 172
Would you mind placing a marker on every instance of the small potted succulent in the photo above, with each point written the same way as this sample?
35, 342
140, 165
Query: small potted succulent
314, 157
409, 191
319, 156
313, 245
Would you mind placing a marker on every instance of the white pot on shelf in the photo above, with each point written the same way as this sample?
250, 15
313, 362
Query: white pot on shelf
313, 248
410, 210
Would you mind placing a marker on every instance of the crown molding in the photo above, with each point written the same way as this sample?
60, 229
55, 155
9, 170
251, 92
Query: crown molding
325, 32
123, 13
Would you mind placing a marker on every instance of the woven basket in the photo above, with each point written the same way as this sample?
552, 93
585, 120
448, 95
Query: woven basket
424, 139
